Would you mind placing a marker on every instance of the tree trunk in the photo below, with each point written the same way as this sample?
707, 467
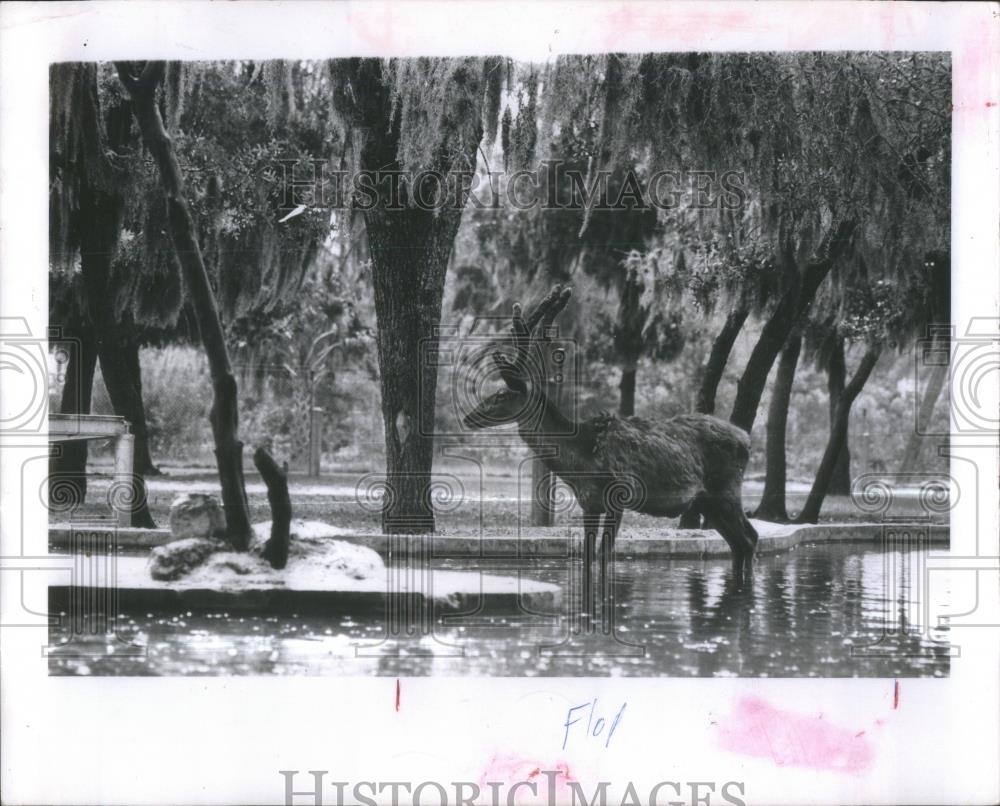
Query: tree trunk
814, 503
276, 479
836, 377
626, 402
410, 250
100, 222
792, 306
772, 502
711, 376
691, 518
410, 247
70, 463
629, 337
542, 481
915, 441
119, 354
224, 414
143, 457
715, 366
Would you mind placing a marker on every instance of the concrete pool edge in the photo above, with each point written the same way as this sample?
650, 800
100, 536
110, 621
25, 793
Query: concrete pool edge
451, 592
557, 541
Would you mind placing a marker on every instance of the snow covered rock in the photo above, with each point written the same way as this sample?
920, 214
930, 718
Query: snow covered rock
196, 515
316, 559
177, 558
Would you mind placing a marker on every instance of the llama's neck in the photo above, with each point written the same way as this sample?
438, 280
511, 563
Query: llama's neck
547, 428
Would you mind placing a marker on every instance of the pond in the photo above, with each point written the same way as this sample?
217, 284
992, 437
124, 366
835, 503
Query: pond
837, 610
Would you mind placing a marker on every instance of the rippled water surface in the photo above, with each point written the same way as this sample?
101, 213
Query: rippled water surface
817, 611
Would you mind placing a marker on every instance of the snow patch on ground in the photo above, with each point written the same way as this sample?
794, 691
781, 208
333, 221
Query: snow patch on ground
304, 529
316, 560
769, 529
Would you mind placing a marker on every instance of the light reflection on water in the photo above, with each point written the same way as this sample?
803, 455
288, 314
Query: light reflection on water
830, 611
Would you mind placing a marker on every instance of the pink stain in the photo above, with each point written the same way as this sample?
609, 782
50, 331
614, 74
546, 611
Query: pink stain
398, 693
974, 65
789, 739
895, 696
375, 25
634, 19
539, 777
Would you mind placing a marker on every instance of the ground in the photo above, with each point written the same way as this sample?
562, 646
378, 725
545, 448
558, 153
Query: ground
496, 500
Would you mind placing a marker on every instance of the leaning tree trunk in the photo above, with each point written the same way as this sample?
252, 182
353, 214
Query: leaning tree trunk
409, 250
790, 309
224, 414
275, 550
793, 303
626, 388
915, 441
836, 377
70, 463
814, 503
711, 376
715, 365
772, 502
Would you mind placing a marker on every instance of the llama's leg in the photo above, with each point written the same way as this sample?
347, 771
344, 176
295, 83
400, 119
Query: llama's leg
591, 525
612, 520
726, 516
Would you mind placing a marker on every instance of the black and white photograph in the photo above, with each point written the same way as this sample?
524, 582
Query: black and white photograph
606, 357
470, 368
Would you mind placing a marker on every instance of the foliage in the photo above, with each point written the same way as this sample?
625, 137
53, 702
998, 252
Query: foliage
233, 143
817, 137
299, 345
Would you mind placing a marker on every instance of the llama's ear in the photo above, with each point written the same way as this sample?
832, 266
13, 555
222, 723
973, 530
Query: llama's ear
509, 373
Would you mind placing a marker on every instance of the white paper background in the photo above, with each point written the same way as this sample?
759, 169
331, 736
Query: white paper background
223, 740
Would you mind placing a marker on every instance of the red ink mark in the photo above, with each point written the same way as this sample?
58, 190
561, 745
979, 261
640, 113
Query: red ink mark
397, 694
510, 769
789, 739
895, 696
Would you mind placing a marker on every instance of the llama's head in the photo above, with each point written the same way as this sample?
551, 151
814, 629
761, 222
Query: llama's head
523, 374
507, 405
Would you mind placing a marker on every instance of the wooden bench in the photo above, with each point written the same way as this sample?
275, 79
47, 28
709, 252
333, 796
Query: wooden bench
76, 427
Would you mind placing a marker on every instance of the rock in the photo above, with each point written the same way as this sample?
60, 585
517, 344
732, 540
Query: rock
196, 515
179, 557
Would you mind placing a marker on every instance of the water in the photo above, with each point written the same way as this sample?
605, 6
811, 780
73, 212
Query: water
818, 611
